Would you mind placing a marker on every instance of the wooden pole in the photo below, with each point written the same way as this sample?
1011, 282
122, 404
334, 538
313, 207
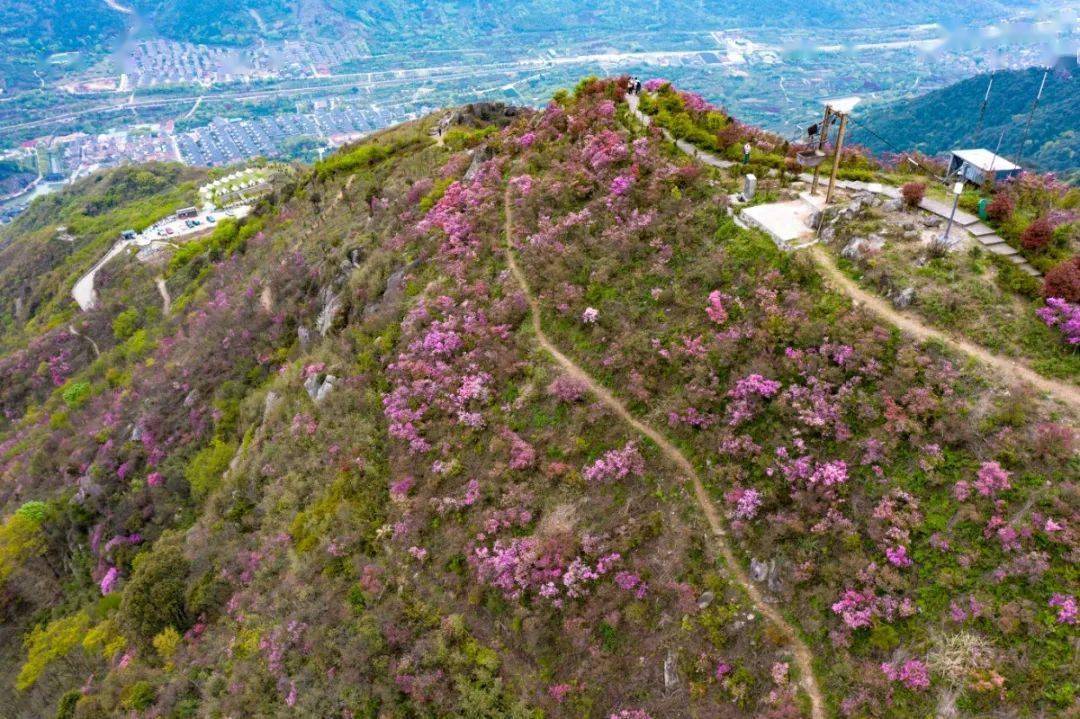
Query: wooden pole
836, 158
823, 135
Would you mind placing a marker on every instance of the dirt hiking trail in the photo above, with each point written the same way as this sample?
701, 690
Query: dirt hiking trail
802, 654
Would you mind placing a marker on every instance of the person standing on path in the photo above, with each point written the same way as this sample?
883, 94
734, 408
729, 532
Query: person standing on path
746, 154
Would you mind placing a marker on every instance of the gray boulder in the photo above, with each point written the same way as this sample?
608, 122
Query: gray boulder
671, 670
318, 390
904, 298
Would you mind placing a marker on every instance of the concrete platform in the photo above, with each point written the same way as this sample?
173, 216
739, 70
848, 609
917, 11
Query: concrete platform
788, 223
980, 230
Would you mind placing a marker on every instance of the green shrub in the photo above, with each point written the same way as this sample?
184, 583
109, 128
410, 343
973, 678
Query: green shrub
204, 470
75, 394
49, 643
154, 596
33, 510
125, 324
139, 695
356, 158
65, 708
435, 193
21, 539
1011, 279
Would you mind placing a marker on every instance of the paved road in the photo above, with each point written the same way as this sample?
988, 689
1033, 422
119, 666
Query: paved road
84, 293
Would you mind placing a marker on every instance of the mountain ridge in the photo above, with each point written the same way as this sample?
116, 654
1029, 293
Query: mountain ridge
947, 119
336, 473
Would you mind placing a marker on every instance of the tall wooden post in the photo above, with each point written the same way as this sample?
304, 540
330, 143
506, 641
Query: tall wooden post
836, 158
823, 136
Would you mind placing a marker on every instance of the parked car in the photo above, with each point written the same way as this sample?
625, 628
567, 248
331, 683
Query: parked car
211, 219
168, 230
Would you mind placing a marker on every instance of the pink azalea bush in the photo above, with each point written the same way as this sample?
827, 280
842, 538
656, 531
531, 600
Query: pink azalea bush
1063, 316
1067, 608
616, 464
912, 673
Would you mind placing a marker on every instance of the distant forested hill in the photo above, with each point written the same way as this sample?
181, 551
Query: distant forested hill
31, 30
948, 118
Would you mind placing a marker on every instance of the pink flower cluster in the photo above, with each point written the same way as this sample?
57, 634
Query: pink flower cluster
714, 307
912, 673
604, 149
747, 502
745, 395
632, 583
616, 464
990, 480
805, 470
898, 556
621, 185
522, 454
438, 370
108, 582
523, 184
1063, 315
567, 389
524, 564
1067, 608
695, 102
858, 609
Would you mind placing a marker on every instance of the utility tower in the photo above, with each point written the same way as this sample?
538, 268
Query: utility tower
839, 108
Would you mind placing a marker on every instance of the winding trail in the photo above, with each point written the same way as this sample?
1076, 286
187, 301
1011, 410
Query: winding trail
1012, 369
163, 290
93, 344
802, 654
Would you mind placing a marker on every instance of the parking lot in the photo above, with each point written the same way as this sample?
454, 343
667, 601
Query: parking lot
175, 228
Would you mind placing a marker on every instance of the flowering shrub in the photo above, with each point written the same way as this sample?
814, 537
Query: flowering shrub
632, 583
990, 480
898, 556
856, 608
1067, 608
715, 307
1065, 316
525, 564
912, 673
746, 502
745, 395
616, 464
567, 389
522, 184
